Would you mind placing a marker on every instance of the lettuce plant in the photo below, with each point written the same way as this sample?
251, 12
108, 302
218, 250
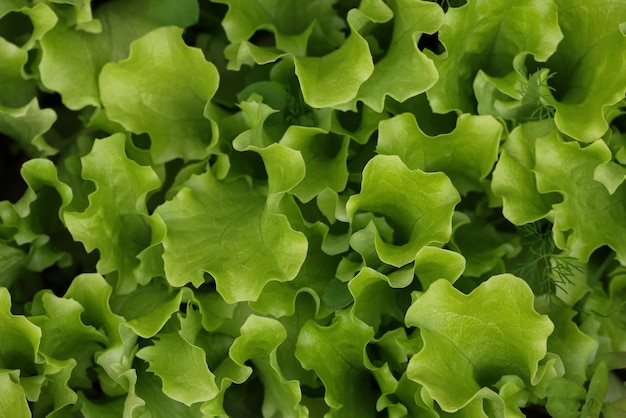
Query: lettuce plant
324, 208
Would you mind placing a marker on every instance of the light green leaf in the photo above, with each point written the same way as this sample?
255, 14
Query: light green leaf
466, 155
117, 209
92, 292
564, 398
487, 35
65, 336
76, 13
16, 91
23, 25
13, 399
279, 298
433, 263
596, 394
611, 175
296, 26
334, 79
226, 230
157, 403
590, 66
404, 71
471, 341
11, 263
152, 92
347, 389
29, 223
575, 348
258, 343
513, 177
568, 169
605, 315
182, 368
20, 338
27, 125
115, 373
122, 22
324, 157
148, 308
416, 204
284, 166
54, 394
374, 298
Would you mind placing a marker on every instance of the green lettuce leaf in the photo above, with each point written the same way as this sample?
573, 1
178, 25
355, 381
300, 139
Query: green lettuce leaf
577, 226
404, 71
374, 298
483, 247
279, 298
590, 75
513, 177
182, 368
236, 239
76, 13
21, 338
519, 96
65, 336
466, 155
598, 386
16, 92
345, 378
27, 125
418, 205
334, 79
181, 13
148, 308
433, 263
13, 397
117, 209
149, 92
564, 398
575, 348
122, 23
324, 157
258, 343
471, 341
487, 35
296, 26
11, 263
19, 32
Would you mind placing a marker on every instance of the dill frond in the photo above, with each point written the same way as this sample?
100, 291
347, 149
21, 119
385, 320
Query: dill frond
534, 89
541, 265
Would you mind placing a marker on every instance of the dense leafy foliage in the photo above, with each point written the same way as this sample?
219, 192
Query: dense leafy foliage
290, 208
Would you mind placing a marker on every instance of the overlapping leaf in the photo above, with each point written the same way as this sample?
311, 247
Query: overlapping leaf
116, 209
487, 35
344, 376
466, 155
589, 65
419, 205
468, 349
226, 230
83, 54
568, 169
149, 92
